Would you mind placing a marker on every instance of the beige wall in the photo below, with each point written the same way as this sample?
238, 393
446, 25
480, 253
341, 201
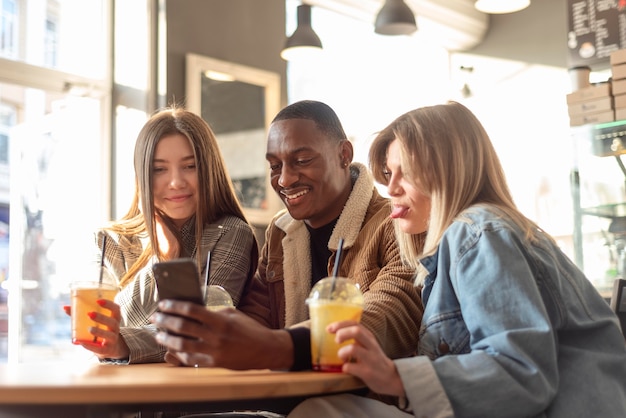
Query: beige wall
248, 32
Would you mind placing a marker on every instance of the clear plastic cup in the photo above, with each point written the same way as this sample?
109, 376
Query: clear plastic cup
216, 298
84, 295
328, 303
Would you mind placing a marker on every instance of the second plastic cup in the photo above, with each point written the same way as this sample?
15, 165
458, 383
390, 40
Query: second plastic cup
216, 298
329, 304
83, 301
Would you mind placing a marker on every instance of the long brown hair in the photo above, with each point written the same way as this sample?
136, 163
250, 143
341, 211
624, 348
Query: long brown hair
216, 194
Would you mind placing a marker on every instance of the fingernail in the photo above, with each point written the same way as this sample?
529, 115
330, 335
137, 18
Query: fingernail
66, 307
100, 302
91, 315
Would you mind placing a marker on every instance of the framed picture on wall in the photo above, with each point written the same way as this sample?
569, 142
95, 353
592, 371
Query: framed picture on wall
238, 102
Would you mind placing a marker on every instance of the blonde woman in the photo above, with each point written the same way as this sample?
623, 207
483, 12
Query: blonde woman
511, 327
184, 206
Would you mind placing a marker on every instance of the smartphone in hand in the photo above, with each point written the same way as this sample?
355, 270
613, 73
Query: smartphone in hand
178, 279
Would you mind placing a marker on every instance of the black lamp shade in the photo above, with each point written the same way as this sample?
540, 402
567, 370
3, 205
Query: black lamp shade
304, 37
395, 18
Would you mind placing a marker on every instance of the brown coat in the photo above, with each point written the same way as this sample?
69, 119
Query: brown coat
393, 308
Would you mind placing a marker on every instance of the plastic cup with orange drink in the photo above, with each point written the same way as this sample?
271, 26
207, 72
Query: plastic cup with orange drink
329, 303
84, 296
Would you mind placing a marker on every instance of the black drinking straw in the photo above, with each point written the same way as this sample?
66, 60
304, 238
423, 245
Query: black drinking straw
206, 275
332, 290
101, 278
336, 267
104, 245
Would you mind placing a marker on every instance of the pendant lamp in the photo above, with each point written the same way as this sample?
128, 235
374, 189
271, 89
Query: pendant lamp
303, 41
501, 6
395, 18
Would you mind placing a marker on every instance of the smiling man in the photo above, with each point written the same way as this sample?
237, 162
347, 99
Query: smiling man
327, 198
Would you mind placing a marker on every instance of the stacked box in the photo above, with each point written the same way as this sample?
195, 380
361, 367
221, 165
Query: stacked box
618, 76
593, 104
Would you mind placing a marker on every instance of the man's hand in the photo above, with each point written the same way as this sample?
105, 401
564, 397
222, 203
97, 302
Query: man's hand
226, 338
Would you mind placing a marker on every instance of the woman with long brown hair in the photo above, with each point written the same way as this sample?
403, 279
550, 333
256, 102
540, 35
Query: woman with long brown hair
184, 206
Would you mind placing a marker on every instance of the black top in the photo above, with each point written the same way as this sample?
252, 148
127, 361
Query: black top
320, 254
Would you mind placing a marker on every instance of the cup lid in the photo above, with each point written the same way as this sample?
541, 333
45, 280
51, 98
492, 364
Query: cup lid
95, 276
216, 295
343, 290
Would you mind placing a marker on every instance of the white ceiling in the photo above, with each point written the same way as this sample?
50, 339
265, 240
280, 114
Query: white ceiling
454, 24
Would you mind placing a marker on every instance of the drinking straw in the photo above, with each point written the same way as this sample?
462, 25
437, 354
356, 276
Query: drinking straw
206, 275
101, 278
336, 267
104, 245
332, 290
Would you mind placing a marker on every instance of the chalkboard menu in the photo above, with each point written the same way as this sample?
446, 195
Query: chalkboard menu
595, 29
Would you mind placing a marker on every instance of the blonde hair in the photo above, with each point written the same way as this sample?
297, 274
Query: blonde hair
447, 152
216, 194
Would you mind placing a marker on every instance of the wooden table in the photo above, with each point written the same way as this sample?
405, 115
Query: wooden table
107, 390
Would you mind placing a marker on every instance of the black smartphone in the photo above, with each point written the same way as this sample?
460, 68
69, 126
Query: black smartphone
178, 279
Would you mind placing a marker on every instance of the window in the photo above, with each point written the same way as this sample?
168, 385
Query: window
8, 29
51, 43
8, 116
54, 167
48, 33
370, 79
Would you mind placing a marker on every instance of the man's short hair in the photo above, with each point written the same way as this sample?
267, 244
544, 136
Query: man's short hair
323, 115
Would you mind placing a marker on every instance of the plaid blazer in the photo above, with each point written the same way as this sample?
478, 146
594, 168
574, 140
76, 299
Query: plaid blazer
234, 256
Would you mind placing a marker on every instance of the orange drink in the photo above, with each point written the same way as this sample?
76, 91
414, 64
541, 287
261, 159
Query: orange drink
83, 301
323, 346
330, 303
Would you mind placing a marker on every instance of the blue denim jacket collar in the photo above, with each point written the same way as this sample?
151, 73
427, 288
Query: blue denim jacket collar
430, 264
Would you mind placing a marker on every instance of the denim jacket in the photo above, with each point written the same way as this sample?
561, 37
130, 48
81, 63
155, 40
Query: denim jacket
512, 329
